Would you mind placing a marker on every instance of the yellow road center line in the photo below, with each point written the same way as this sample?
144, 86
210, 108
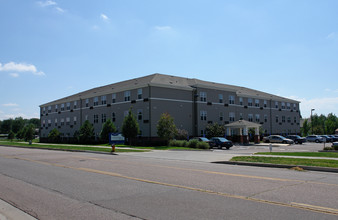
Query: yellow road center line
308, 207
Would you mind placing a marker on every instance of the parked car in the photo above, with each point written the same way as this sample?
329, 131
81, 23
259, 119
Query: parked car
326, 138
203, 139
314, 138
277, 139
334, 138
334, 144
297, 139
220, 142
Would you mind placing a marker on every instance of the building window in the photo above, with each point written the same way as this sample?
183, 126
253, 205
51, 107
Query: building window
103, 118
56, 108
265, 118
276, 104
265, 103
139, 114
294, 106
43, 110
277, 119
240, 116
203, 133
96, 118
250, 117
87, 102
49, 109
283, 118
295, 119
127, 96
221, 116
103, 100
113, 117
288, 105
43, 123
283, 105
67, 121
203, 96
231, 99
68, 106
249, 102
139, 94
62, 107
49, 122
113, 98
75, 104
289, 119
96, 101
62, 121
203, 115
240, 101
257, 102
74, 119
257, 117
231, 116
220, 98
56, 122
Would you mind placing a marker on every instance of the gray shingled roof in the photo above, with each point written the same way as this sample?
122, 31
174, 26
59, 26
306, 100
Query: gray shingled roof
166, 81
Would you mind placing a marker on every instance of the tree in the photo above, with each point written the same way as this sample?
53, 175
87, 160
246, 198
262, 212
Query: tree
6, 126
54, 136
17, 124
86, 133
306, 128
130, 127
20, 135
215, 130
108, 127
11, 135
29, 132
166, 127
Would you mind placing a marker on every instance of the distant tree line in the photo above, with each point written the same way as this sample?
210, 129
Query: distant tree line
20, 128
320, 124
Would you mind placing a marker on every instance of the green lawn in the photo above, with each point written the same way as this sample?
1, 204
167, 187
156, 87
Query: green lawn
67, 147
303, 154
289, 161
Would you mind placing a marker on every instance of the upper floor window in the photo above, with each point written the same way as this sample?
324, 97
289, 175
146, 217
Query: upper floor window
276, 104
257, 117
288, 105
62, 107
231, 116
240, 101
96, 118
96, 101
283, 105
43, 110
139, 94
113, 98
139, 114
221, 116
68, 105
56, 108
203, 115
220, 98
257, 102
265, 118
127, 96
49, 109
294, 106
265, 103
87, 102
295, 119
203, 96
103, 100
67, 121
103, 118
62, 121
75, 104
250, 117
75, 119
56, 122
231, 99
289, 119
277, 119
249, 102
113, 116
240, 116
283, 118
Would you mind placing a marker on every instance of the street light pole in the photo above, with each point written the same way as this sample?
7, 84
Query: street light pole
312, 121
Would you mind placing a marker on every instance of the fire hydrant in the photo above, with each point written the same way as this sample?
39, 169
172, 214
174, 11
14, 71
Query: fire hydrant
113, 148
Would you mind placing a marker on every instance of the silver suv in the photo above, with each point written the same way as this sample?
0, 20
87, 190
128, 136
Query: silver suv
314, 138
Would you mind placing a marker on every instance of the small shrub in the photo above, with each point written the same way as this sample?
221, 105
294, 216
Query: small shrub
193, 143
335, 147
328, 148
178, 143
202, 145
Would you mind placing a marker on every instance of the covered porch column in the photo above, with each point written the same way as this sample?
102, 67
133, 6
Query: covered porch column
257, 137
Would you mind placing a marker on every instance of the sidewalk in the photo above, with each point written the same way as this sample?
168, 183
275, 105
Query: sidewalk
9, 212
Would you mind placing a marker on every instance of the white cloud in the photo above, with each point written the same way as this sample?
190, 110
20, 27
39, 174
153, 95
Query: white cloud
323, 105
21, 67
60, 9
332, 36
104, 17
46, 3
15, 75
163, 28
10, 105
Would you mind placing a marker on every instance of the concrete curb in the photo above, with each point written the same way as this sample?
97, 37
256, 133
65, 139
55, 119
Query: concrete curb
7, 211
321, 169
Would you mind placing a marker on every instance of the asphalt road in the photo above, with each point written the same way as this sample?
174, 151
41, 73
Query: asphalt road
67, 185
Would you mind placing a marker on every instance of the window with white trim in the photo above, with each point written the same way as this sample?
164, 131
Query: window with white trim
62, 121
96, 118
113, 116
87, 102
113, 98
203, 96
68, 106
289, 119
203, 115
283, 105
49, 109
56, 122
103, 100
127, 96
56, 108
43, 110
276, 104
74, 120
231, 116
288, 105
249, 101
250, 117
139, 114
231, 99
240, 101
294, 106
67, 121
49, 122
283, 118
240, 116
96, 101
103, 118
75, 104
277, 118
139, 94
257, 117
265, 118
220, 98
257, 102
265, 104
62, 107
221, 116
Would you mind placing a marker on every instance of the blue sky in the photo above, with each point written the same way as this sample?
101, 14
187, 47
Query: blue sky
52, 49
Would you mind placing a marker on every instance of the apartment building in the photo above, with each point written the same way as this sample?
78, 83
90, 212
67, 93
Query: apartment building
192, 103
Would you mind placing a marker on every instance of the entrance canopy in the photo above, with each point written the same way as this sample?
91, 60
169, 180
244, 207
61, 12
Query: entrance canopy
243, 127
243, 124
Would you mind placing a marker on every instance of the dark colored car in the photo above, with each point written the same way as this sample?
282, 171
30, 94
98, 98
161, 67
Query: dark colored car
326, 138
220, 142
203, 139
334, 138
297, 139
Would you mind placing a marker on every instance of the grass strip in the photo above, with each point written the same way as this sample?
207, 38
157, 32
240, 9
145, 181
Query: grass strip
288, 161
65, 147
303, 154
